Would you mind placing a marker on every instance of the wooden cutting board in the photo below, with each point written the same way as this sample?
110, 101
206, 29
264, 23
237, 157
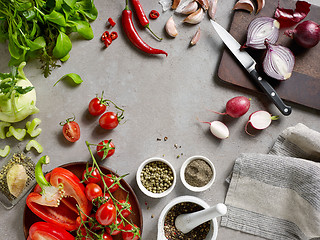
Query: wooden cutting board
304, 85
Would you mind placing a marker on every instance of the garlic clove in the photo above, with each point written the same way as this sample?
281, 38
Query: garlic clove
190, 8
196, 17
261, 4
16, 179
204, 4
171, 27
246, 5
196, 37
175, 4
212, 8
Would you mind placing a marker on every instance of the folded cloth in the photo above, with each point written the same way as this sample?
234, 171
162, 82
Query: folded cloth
277, 195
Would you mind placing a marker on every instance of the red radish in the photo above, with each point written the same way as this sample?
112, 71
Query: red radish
260, 120
218, 129
236, 107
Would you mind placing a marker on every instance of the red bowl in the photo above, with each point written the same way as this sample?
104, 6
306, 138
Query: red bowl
77, 168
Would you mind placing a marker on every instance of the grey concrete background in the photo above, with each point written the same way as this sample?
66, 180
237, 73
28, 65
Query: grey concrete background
162, 97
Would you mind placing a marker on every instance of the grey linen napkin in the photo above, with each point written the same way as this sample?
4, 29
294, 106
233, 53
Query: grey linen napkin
277, 195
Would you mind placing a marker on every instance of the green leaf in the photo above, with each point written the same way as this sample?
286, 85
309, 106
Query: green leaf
56, 17
71, 76
29, 14
63, 46
70, 3
58, 4
37, 44
84, 29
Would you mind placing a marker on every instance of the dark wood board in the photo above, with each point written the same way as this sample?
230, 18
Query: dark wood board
304, 85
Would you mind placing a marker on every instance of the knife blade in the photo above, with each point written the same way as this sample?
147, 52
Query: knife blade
250, 65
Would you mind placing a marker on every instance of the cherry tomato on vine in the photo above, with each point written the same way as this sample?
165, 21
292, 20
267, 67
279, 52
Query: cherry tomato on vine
115, 227
109, 180
96, 107
71, 129
106, 236
93, 191
91, 176
106, 214
105, 149
132, 233
125, 208
109, 120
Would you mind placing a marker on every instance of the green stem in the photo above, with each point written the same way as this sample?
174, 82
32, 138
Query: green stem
127, 6
148, 27
41, 180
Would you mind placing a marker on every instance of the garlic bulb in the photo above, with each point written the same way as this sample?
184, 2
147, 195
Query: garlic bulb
196, 17
171, 27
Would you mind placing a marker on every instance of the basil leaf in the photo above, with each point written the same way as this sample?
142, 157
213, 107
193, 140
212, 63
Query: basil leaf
63, 46
56, 17
84, 29
71, 76
37, 44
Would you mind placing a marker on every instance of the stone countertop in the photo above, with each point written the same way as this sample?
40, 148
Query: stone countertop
162, 97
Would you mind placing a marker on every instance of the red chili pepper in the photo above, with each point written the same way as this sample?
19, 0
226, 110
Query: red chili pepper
154, 14
113, 35
60, 195
112, 23
133, 35
104, 36
49, 231
142, 16
108, 41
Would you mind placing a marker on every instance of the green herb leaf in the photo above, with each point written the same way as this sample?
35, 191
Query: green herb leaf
56, 17
63, 46
84, 29
71, 76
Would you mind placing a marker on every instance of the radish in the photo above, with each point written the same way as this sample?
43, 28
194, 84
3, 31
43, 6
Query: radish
236, 107
218, 129
260, 120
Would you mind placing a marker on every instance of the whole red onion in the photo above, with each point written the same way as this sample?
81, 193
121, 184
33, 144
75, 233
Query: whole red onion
306, 34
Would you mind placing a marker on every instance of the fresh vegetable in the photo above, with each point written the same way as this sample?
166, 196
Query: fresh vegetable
246, 5
260, 120
3, 126
278, 62
104, 36
113, 35
110, 120
17, 96
93, 191
175, 4
236, 107
115, 227
105, 149
71, 129
75, 78
106, 236
171, 27
18, 133
106, 214
34, 144
306, 34
219, 129
154, 14
32, 129
91, 175
98, 105
196, 17
213, 4
5, 151
41, 28
204, 4
111, 22
142, 17
290, 17
130, 232
59, 198
48, 231
124, 208
259, 30
196, 37
16, 179
133, 35
187, 7
111, 183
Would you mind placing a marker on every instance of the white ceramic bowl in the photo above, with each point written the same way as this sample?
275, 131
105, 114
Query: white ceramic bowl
193, 188
147, 192
213, 233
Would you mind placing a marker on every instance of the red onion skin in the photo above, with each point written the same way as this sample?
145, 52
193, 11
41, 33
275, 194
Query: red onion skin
306, 34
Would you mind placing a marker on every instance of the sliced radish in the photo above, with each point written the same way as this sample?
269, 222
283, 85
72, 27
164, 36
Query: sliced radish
218, 129
260, 120
236, 107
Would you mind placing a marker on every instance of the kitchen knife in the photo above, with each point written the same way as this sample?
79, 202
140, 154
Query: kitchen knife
250, 65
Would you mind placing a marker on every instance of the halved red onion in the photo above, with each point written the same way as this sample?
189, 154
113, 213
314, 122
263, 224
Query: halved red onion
259, 30
278, 62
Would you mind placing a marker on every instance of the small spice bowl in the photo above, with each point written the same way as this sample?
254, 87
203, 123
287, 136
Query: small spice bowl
156, 177
197, 173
